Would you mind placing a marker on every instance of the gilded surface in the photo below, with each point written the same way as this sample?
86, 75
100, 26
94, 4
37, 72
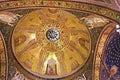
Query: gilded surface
41, 56
62, 4
3, 60
99, 50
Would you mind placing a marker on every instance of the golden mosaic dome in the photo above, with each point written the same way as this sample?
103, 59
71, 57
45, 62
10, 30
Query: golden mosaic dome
51, 43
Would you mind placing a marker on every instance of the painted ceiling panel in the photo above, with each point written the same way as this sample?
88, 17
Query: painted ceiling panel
111, 67
55, 38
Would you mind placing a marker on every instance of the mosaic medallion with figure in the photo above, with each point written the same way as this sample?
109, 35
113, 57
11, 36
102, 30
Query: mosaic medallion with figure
51, 43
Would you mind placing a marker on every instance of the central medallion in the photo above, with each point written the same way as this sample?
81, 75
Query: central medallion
54, 45
53, 34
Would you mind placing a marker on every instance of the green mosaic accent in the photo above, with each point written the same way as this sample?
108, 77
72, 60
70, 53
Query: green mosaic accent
63, 4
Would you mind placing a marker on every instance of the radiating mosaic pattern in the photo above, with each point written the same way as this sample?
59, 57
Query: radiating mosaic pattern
51, 42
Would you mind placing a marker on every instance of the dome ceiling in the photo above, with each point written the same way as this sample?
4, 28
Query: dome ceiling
51, 42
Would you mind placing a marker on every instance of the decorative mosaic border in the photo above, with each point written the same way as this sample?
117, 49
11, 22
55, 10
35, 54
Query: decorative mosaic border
99, 50
109, 13
3, 59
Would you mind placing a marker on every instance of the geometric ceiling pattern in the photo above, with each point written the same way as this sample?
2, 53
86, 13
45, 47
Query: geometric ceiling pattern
52, 44
111, 56
112, 4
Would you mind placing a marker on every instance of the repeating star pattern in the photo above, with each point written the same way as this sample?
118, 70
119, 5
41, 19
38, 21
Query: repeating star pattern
112, 53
